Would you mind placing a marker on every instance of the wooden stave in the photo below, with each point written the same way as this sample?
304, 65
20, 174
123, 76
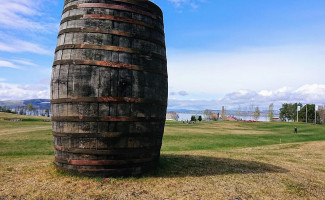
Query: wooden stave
68, 135
141, 4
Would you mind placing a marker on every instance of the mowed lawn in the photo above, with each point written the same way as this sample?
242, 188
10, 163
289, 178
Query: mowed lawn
219, 160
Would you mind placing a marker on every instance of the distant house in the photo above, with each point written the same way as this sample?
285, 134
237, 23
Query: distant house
172, 116
231, 118
214, 116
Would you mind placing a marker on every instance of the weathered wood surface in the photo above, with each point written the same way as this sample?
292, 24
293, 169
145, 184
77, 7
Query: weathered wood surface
109, 87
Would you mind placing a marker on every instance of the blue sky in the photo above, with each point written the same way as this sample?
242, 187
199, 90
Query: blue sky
220, 52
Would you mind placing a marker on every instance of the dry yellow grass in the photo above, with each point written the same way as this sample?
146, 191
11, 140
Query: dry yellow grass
282, 171
288, 171
25, 130
10, 115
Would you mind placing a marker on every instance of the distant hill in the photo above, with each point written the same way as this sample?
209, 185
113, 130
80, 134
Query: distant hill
37, 103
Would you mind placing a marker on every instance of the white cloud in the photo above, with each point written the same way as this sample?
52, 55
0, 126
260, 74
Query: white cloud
310, 93
25, 62
8, 64
313, 93
178, 3
180, 93
183, 93
2, 79
16, 46
174, 104
22, 92
23, 14
311, 89
191, 3
269, 93
256, 69
16, 64
260, 76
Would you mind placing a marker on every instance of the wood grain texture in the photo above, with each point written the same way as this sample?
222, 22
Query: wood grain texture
109, 87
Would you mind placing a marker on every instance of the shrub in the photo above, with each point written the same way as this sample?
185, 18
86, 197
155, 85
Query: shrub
193, 118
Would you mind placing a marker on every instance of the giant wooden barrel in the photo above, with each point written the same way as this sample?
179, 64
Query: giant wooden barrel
109, 87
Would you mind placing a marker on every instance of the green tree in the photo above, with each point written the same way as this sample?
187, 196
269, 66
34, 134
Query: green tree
288, 112
193, 118
271, 112
199, 118
257, 113
310, 114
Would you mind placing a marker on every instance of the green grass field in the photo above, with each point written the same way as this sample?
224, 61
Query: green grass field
215, 160
228, 135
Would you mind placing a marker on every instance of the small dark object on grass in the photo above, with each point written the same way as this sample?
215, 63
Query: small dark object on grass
296, 130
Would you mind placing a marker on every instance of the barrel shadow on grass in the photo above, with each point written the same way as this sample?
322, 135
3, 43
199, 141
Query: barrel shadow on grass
197, 166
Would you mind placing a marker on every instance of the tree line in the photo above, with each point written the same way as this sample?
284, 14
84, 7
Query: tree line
307, 113
29, 109
288, 112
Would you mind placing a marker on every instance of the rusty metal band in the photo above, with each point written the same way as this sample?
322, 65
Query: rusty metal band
107, 119
153, 6
112, 32
112, 18
108, 64
97, 47
128, 151
107, 100
107, 48
91, 135
136, 2
124, 151
107, 135
108, 17
102, 162
110, 6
